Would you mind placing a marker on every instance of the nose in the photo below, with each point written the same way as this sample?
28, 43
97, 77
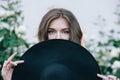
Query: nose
58, 35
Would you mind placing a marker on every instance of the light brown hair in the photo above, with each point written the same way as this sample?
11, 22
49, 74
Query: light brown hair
75, 30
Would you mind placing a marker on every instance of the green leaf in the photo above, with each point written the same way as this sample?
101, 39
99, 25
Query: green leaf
22, 42
3, 32
116, 43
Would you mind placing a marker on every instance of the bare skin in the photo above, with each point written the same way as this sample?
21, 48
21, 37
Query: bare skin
109, 77
58, 29
7, 69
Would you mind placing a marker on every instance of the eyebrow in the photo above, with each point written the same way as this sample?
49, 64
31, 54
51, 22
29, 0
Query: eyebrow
66, 28
50, 28
62, 29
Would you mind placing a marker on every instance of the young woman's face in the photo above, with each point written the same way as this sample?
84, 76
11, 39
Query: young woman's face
59, 29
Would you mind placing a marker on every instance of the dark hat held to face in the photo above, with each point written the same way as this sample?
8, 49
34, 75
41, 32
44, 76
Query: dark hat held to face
57, 60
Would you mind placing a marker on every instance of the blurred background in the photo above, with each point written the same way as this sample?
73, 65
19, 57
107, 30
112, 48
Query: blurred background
86, 11
99, 20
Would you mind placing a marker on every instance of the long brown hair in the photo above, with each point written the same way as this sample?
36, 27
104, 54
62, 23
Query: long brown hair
75, 30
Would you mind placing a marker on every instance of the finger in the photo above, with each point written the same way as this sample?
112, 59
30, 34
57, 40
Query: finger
102, 76
6, 62
9, 66
112, 77
17, 62
12, 56
13, 64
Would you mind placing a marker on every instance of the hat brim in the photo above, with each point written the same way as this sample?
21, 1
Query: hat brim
70, 60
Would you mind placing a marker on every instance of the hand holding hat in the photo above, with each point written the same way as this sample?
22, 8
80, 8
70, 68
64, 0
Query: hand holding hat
57, 60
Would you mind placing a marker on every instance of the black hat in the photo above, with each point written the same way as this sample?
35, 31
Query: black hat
57, 60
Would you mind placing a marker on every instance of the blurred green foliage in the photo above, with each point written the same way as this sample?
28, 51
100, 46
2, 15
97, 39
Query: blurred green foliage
11, 39
106, 45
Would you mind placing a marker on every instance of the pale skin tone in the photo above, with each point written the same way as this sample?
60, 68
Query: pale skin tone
7, 69
58, 29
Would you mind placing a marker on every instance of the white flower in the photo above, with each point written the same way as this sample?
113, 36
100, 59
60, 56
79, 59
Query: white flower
2, 13
110, 29
6, 13
3, 25
116, 65
21, 29
115, 52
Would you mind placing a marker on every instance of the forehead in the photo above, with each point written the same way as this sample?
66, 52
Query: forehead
59, 23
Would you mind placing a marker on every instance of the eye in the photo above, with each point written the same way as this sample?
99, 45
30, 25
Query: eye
66, 31
51, 31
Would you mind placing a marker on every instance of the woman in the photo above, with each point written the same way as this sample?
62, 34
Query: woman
58, 23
